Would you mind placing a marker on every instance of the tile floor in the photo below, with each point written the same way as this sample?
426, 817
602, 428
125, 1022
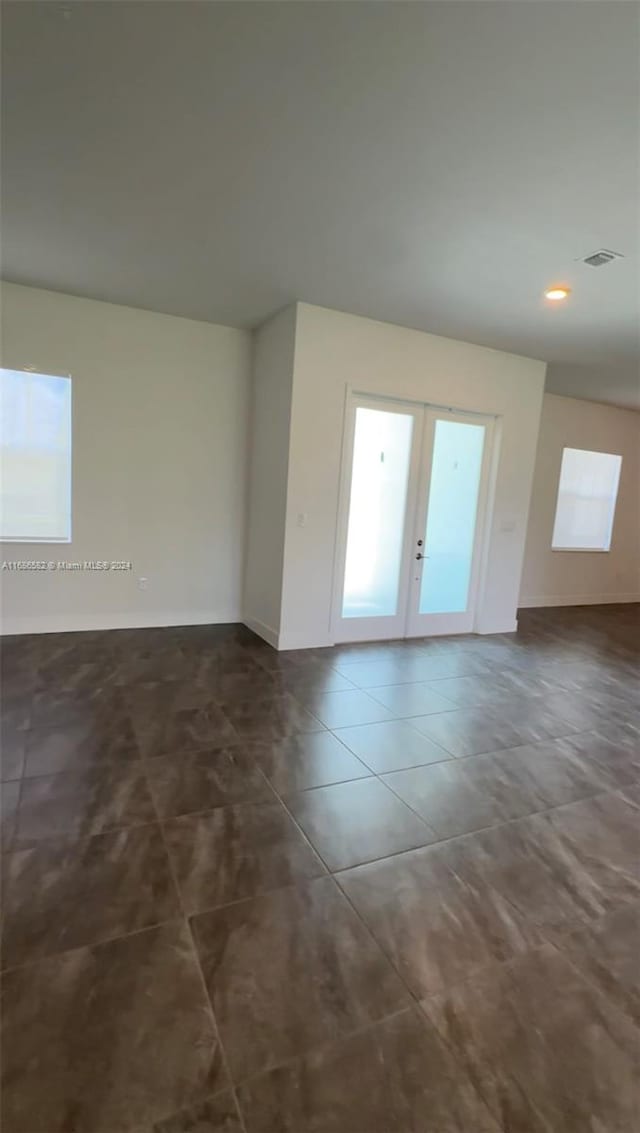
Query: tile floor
386, 888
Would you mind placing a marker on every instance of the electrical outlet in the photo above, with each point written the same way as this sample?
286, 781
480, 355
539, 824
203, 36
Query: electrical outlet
142, 583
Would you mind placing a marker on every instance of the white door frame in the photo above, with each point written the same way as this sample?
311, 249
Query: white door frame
399, 625
426, 625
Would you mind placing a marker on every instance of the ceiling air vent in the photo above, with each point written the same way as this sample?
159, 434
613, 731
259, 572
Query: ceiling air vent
601, 257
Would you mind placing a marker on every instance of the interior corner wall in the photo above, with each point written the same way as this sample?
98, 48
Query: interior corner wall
567, 578
273, 360
334, 352
160, 429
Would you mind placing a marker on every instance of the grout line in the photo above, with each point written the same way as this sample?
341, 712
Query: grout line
335, 876
494, 1110
611, 789
482, 829
199, 969
327, 1044
46, 956
391, 720
356, 913
558, 943
282, 799
73, 836
414, 997
423, 820
279, 798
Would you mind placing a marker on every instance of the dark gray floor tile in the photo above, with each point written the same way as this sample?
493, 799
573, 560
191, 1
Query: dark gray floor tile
357, 822
184, 784
602, 836
536, 718
159, 663
116, 1037
543, 1048
12, 745
514, 722
228, 687
416, 699
436, 928
315, 759
403, 670
188, 729
474, 691
343, 709
550, 874
109, 1037
79, 744
75, 675
352, 653
274, 716
97, 705
15, 707
631, 794
389, 671
606, 954
533, 777
296, 660
289, 970
66, 893
391, 745
614, 757
235, 852
468, 731
82, 803
9, 798
446, 798
396, 1077
584, 709
215, 1115
147, 700
308, 685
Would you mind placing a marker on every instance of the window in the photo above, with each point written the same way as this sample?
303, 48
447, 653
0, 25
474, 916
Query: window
586, 500
35, 457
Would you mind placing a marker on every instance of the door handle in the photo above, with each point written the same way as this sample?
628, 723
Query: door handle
421, 556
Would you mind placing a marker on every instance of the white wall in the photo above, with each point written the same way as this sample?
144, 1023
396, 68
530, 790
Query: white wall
160, 415
557, 578
336, 350
273, 354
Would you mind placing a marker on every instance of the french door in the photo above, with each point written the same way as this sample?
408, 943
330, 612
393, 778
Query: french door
412, 520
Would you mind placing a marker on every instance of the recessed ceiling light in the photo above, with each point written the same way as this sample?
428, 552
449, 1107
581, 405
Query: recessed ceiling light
557, 293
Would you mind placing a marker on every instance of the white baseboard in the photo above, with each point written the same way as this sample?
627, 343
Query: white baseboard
501, 627
284, 641
303, 641
267, 633
576, 600
66, 623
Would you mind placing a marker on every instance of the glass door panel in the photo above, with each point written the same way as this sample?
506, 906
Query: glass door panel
380, 471
449, 523
383, 447
451, 517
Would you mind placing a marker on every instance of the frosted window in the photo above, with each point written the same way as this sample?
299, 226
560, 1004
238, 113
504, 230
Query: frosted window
380, 473
35, 457
586, 504
451, 517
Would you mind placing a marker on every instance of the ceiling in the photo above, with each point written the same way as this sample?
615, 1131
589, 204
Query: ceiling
435, 165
